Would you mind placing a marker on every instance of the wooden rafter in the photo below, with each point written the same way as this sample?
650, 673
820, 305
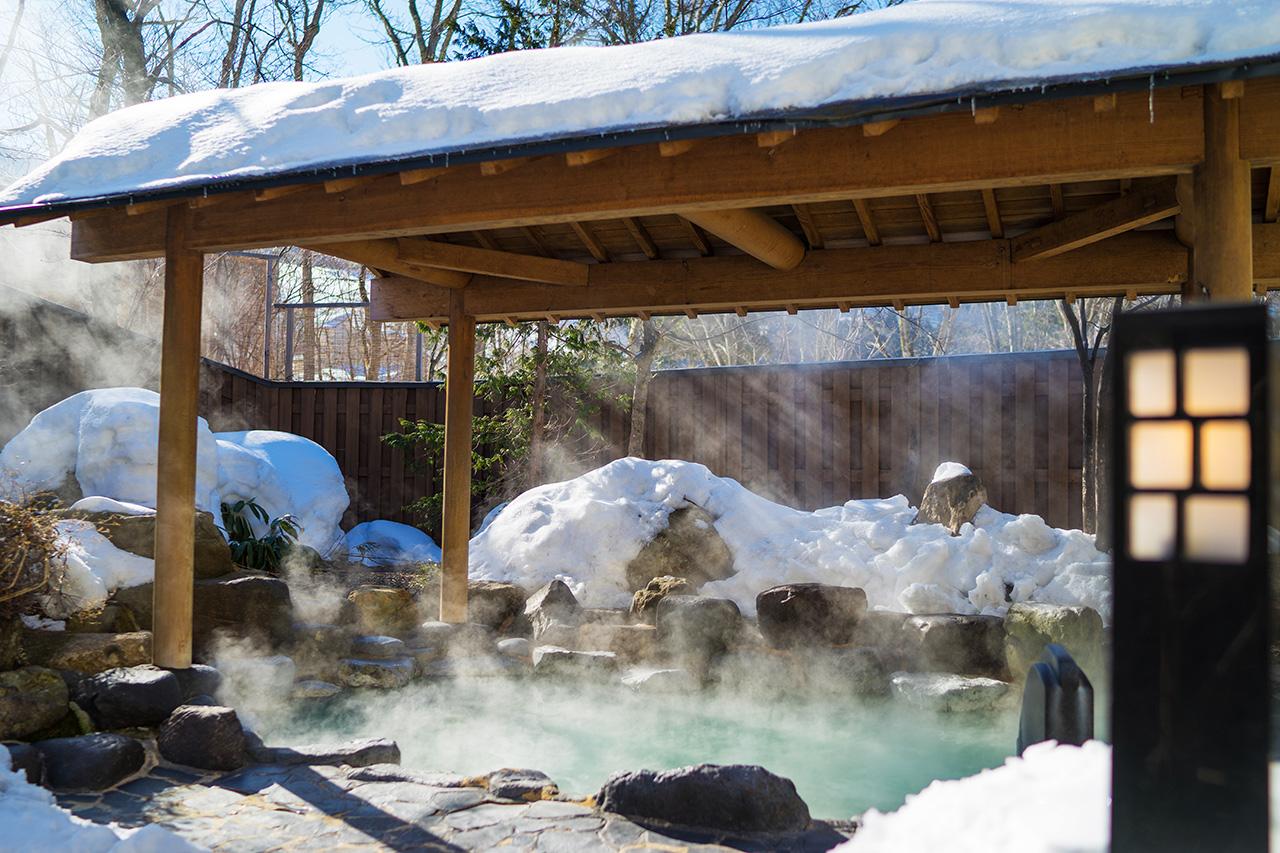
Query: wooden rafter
468, 259
273, 193
1056, 201
1271, 209
992, 208
873, 129
1099, 223
812, 235
586, 158
676, 147
490, 168
929, 218
341, 185
867, 221
385, 255
641, 235
538, 243
485, 240
590, 241
696, 237
754, 233
417, 176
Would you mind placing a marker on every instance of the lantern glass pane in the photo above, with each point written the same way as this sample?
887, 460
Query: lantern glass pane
1216, 528
1215, 381
1160, 454
1153, 387
1153, 527
1224, 454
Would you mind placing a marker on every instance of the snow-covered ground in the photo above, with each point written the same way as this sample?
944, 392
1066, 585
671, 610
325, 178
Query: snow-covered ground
382, 543
924, 47
588, 529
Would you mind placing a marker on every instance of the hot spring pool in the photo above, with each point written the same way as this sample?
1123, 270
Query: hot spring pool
844, 757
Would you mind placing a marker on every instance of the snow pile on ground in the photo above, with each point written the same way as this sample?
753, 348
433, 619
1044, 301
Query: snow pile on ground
106, 438
1054, 798
920, 48
287, 475
97, 503
387, 543
33, 821
94, 569
591, 527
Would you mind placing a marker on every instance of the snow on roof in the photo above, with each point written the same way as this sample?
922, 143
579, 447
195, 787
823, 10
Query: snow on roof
959, 48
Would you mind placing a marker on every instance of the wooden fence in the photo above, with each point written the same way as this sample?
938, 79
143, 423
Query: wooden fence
804, 435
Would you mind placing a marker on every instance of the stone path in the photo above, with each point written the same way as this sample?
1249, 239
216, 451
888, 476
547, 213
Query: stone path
386, 807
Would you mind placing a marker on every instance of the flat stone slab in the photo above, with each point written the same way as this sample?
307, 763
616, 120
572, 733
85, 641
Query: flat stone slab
385, 808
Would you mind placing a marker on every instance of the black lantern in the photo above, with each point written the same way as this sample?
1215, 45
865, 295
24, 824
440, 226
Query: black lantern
1190, 672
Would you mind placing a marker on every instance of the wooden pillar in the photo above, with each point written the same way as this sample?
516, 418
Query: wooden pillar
176, 454
1223, 216
455, 531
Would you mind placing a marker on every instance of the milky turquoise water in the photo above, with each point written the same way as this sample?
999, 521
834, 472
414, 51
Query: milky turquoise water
843, 756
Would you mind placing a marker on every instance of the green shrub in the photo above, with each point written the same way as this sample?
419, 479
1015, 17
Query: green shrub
265, 553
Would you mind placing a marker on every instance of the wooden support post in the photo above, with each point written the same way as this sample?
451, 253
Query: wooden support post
176, 454
455, 527
1224, 224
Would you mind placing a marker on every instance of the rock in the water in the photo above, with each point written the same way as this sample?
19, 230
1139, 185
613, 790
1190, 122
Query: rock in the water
256, 607
207, 737
31, 699
809, 614
377, 648
383, 610
378, 674
497, 606
25, 757
759, 671
474, 666
690, 626
689, 547
1030, 627
436, 633
553, 604
661, 681
137, 535
515, 784
355, 753
847, 672
87, 653
317, 648
881, 629
197, 680
644, 604
731, 797
940, 691
130, 696
630, 643
312, 689
952, 502
552, 661
516, 647
90, 762
951, 642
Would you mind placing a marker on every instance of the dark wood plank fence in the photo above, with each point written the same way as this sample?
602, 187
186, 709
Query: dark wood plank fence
804, 435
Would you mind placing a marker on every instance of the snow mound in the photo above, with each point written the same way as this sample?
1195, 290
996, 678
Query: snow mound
107, 439
920, 48
32, 820
94, 569
287, 475
948, 470
588, 529
97, 503
1053, 798
388, 543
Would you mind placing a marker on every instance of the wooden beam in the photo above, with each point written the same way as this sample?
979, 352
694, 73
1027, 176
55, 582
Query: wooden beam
455, 522
986, 115
586, 158
536, 239
141, 207
1034, 146
419, 252
696, 237
410, 177
929, 218
1224, 254
774, 138
589, 239
812, 235
1104, 103
992, 208
641, 235
1056, 201
385, 255
1148, 261
173, 593
485, 240
873, 129
867, 221
490, 168
36, 219
1271, 209
341, 185
1230, 89
754, 233
675, 148
1098, 223
273, 193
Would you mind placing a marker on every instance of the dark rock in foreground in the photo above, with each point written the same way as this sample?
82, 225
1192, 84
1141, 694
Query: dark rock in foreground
31, 699
498, 606
25, 757
952, 642
356, 753
252, 606
85, 652
731, 797
130, 696
208, 737
807, 614
197, 680
90, 762
696, 627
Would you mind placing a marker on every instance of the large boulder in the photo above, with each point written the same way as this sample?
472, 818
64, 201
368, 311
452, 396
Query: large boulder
1028, 628
87, 653
847, 672
255, 607
383, 610
732, 798
497, 605
137, 535
377, 648
952, 642
197, 680
31, 699
90, 762
11, 653
759, 672
689, 547
555, 662
809, 614
631, 643
553, 604
207, 737
25, 757
697, 628
644, 604
952, 499
376, 674
946, 692
130, 696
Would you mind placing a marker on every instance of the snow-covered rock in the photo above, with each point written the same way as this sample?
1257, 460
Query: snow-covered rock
94, 569
588, 529
1053, 798
388, 543
97, 503
287, 475
107, 439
